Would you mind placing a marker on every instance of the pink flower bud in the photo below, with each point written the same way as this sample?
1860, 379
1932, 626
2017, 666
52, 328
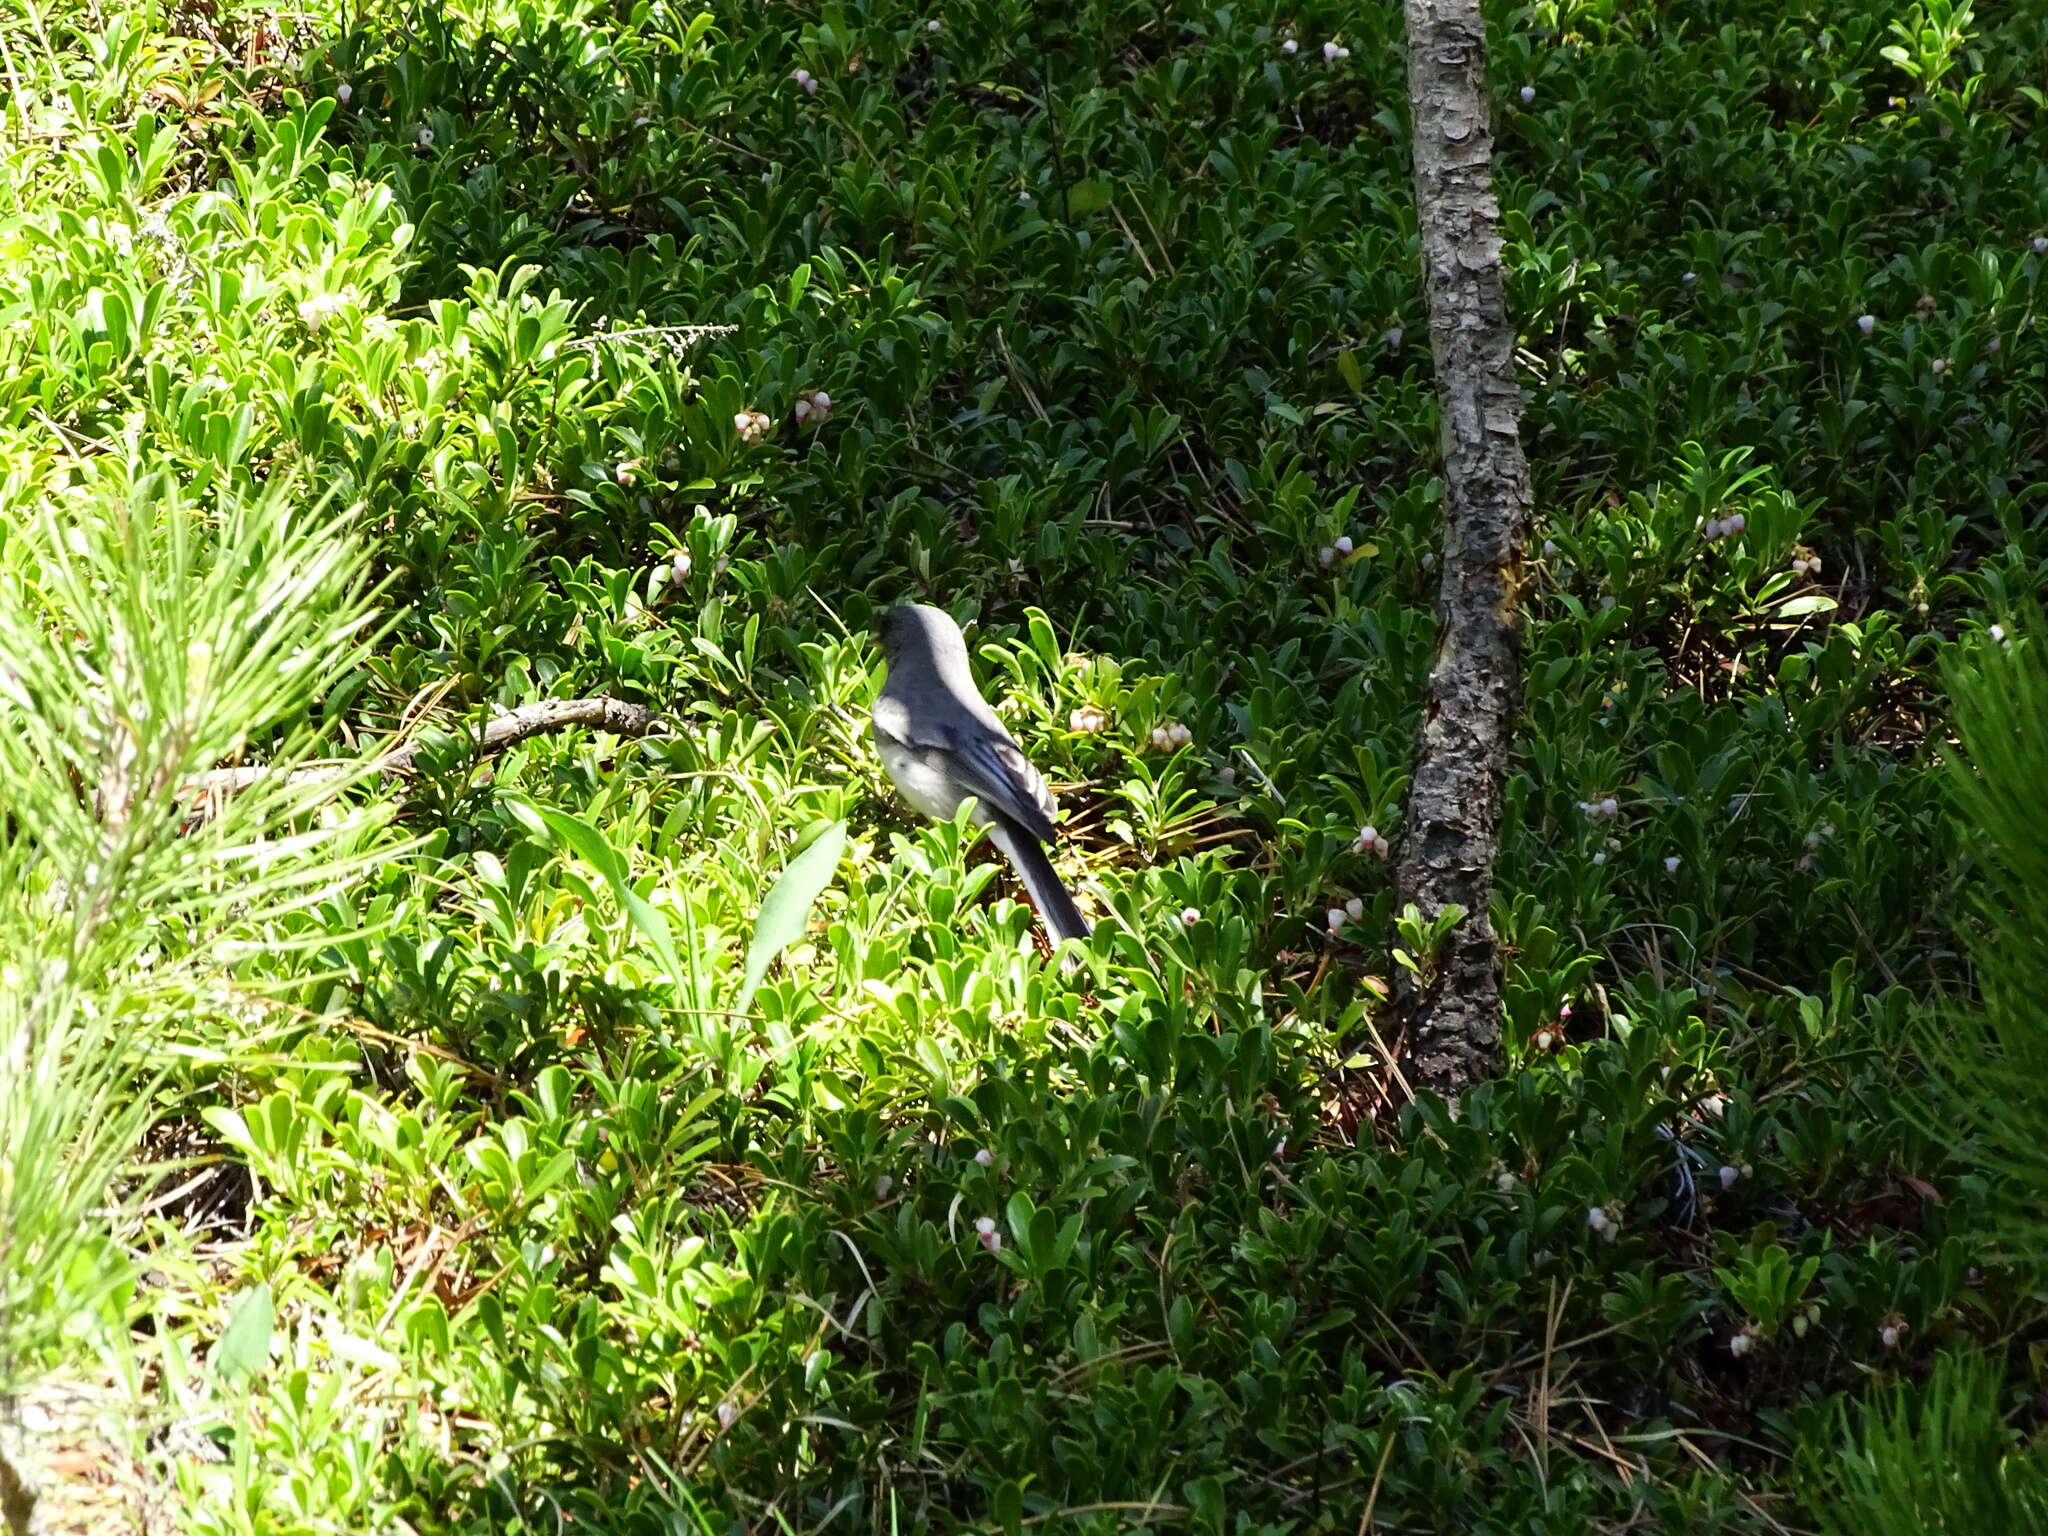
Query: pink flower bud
986, 1158
1290, 46
1344, 546
1528, 94
1867, 324
1335, 919
344, 92
1729, 1176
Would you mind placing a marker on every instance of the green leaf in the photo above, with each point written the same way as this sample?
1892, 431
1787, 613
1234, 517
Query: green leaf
787, 911
560, 829
1812, 602
244, 1344
1089, 196
587, 843
1009, 1507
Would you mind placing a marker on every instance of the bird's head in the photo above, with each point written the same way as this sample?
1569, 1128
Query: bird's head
919, 630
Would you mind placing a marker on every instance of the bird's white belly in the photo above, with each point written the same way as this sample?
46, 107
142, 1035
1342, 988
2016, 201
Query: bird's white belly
930, 792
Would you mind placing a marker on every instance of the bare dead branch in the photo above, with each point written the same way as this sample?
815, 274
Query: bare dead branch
1450, 832
506, 731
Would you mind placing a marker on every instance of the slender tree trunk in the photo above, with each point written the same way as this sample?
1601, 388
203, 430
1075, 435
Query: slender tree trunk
1452, 822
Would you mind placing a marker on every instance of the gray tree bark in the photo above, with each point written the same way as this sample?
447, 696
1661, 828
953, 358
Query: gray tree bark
1450, 830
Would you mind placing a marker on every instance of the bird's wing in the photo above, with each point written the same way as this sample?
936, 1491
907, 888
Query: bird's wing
979, 756
999, 775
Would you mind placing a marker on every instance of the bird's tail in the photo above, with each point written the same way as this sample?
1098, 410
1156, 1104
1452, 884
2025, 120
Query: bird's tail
1063, 920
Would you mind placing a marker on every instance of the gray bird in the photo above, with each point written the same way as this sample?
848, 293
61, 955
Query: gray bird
941, 743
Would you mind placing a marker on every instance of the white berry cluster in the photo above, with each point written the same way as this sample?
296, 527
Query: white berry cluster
1369, 840
1088, 720
806, 79
752, 426
1715, 529
1171, 736
1331, 553
1815, 836
673, 572
812, 407
1352, 911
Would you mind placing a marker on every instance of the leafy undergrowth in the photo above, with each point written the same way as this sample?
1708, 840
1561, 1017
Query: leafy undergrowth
1105, 329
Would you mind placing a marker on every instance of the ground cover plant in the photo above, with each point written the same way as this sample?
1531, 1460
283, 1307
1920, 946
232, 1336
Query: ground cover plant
664, 1131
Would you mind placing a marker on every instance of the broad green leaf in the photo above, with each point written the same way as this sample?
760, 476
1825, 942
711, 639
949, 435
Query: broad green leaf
787, 911
244, 1345
1085, 197
1812, 602
587, 843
